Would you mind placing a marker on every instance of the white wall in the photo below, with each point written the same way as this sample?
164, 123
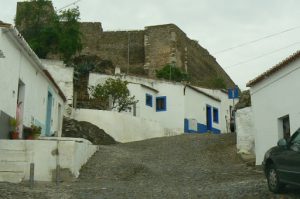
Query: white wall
73, 153
245, 131
195, 107
179, 106
143, 110
173, 118
123, 127
9, 71
225, 107
17, 65
272, 99
63, 76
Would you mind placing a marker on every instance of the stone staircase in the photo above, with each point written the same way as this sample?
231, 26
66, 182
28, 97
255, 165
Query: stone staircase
13, 163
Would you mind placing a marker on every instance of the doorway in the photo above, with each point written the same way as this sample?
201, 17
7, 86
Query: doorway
49, 112
208, 118
284, 127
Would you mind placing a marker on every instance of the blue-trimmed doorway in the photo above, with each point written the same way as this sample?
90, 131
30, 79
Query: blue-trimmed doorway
49, 112
208, 118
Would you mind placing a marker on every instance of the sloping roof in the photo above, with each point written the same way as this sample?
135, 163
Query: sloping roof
202, 92
145, 86
274, 69
55, 84
31, 53
2, 24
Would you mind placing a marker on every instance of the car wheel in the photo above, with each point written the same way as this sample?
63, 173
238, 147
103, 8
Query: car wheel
274, 183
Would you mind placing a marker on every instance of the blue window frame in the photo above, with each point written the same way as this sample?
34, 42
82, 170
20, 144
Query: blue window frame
161, 103
148, 100
215, 115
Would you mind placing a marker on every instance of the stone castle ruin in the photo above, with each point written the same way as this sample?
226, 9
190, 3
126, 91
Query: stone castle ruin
142, 52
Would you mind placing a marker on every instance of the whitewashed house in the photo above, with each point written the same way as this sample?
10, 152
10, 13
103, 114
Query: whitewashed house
227, 106
26, 82
275, 101
177, 107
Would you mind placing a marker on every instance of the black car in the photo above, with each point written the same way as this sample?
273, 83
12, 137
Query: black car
282, 163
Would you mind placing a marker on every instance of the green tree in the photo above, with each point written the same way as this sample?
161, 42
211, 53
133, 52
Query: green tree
170, 72
114, 91
69, 33
48, 32
38, 29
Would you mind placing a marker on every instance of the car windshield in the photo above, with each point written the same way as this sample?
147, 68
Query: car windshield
296, 137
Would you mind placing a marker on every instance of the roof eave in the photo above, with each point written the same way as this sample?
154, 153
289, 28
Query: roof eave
32, 55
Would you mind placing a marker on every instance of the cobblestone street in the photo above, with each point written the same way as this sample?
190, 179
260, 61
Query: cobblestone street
185, 166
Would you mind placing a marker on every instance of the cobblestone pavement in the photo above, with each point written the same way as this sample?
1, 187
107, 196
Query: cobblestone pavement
185, 166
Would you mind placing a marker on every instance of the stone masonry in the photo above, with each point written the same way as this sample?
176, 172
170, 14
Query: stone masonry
150, 49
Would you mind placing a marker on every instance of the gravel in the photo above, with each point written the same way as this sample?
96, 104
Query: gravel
185, 166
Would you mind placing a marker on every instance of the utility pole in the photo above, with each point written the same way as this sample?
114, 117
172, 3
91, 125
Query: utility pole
170, 71
128, 51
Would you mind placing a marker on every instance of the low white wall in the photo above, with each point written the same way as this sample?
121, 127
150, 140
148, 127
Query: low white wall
245, 131
124, 127
72, 154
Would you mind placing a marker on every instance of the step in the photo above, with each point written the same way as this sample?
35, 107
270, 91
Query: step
12, 144
10, 155
12, 177
6, 166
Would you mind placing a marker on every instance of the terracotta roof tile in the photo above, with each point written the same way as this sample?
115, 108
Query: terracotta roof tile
2, 24
274, 69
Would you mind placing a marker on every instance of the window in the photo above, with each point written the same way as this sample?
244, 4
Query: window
149, 100
216, 115
284, 127
161, 103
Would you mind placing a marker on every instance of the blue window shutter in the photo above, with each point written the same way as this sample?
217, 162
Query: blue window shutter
149, 100
216, 115
161, 103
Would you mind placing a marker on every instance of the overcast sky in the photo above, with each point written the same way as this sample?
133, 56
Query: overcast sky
216, 24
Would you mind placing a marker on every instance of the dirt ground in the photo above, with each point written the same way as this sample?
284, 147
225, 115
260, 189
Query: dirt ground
185, 166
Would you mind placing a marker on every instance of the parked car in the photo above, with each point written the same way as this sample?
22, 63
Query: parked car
282, 163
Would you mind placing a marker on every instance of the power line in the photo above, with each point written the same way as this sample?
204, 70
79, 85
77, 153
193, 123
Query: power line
263, 55
256, 40
68, 5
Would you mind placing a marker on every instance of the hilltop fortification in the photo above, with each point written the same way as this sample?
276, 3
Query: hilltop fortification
142, 52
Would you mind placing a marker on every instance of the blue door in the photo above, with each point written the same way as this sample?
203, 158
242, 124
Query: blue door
208, 118
48, 116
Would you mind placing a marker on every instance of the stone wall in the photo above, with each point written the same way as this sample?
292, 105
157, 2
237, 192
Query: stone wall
204, 66
118, 46
90, 36
121, 47
153, 48
142, 52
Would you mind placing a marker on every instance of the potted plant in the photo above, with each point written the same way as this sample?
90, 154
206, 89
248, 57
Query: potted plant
14, 134
36, 131
28, 133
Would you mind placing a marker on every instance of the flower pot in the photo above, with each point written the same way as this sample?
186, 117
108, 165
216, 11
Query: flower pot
14, 135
